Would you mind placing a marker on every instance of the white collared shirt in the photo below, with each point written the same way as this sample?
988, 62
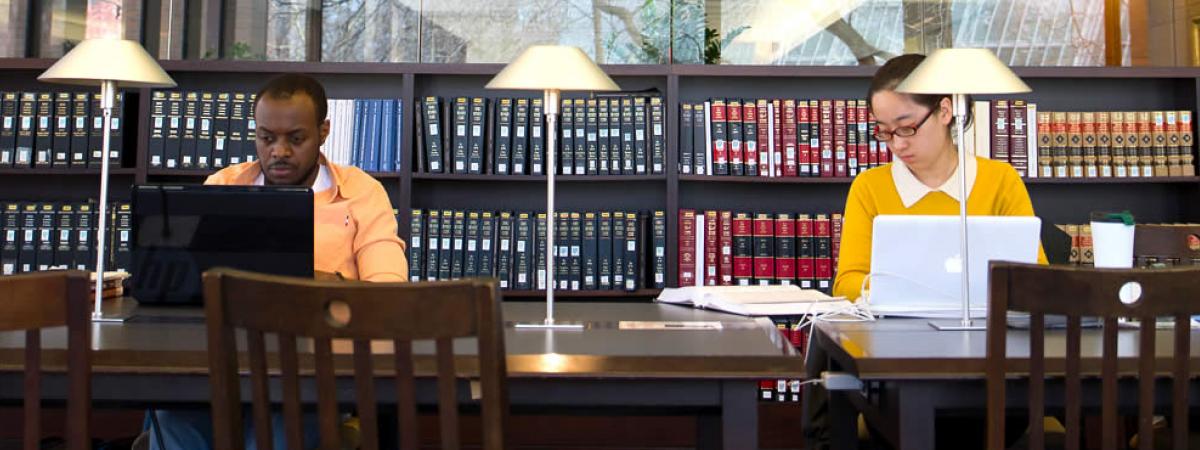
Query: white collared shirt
912, 190
322, 182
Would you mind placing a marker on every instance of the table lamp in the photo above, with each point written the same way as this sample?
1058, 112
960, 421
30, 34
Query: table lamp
551, 69
958, 72
112, 64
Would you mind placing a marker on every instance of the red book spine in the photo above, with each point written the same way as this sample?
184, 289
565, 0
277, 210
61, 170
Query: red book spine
726, 272
764, 249
687, 247
764, 133
743, 249
839, 140
803, 139
860, 126
814, 138
836, 244
777, 148
712, 251
827, 135
789, 139
736, 154
853, 165
785, 250
876, 158
720, 153
805, 269
750, 143
822, 237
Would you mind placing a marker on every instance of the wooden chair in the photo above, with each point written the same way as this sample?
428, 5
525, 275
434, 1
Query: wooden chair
31, 302
400, 312
1076, 292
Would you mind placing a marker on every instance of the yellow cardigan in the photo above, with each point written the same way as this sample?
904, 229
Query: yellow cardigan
997, 191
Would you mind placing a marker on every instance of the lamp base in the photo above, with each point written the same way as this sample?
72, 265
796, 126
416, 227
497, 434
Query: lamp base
549, 324
109, 318
958, 325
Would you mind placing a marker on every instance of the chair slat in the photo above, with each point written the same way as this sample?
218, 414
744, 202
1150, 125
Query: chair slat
364, 387
33, 388
1037, 361
1146, 384
447, 394
79, 364
406, 400
1183, 351
289, 370
1108, 390
261, 397
997, 357
1073, 383
327, 414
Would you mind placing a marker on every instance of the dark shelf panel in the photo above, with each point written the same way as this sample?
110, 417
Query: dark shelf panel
27, 64
763, 180
357, 68
534, 178
205, 173
79, 172
1144, 180
583, 294
869, 71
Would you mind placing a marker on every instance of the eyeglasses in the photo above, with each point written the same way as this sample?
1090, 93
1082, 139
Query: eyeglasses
886, 136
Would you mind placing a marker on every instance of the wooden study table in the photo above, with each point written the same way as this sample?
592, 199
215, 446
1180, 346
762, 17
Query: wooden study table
911, 372
158, 358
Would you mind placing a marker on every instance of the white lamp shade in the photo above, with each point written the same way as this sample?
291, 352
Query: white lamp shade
962, 71
553, 67
106, 59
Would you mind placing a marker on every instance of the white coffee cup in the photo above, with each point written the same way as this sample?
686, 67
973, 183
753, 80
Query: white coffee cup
1112, 244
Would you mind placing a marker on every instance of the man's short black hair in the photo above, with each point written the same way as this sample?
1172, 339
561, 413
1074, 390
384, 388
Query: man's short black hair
285, 86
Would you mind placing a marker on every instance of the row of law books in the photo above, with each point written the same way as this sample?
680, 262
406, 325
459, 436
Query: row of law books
779, 138
724, 248
1083, 144
58, 129
37, 236
201, 130
610, 135
365, 133
785, 389
621, 250
1083, 252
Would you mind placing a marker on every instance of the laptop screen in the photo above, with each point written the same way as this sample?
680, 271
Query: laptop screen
179, 231
917, 265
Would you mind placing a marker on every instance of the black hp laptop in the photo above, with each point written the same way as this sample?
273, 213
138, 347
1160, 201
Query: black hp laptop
179, 231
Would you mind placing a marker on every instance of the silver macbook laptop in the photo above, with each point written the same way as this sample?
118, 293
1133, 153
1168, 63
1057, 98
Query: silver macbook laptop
916, 263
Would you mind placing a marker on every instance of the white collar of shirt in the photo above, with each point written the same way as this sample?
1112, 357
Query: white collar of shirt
322, 182
913, 190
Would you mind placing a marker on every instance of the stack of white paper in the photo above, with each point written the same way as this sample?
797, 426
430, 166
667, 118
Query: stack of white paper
774, 300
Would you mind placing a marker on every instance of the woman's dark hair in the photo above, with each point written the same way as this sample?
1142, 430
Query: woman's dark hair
895, 71
284, 86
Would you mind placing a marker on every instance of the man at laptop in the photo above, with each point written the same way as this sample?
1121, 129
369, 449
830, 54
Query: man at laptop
354, 230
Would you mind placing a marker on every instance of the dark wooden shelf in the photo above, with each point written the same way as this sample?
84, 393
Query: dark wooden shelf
535, 178
583, 294
206, 172
81, 172
764, 180
1143, 180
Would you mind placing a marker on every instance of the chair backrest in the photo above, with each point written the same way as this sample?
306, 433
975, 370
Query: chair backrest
31, 302
1075, 292
361, 312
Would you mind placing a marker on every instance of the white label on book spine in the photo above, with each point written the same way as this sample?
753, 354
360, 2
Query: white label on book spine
470, 246
521, 246
631, 245
458, 244
487, 245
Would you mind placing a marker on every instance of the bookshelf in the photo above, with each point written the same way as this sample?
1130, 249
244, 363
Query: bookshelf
1055, 88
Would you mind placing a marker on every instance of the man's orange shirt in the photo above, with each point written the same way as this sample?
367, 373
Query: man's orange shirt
354, 230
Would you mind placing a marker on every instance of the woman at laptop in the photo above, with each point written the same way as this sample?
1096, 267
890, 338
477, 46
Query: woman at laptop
923, 176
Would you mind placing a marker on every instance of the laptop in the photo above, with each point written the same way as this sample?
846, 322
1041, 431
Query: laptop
916, 263
179, 231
